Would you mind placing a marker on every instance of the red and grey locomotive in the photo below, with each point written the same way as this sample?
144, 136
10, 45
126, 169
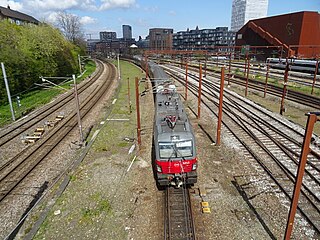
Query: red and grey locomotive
175, 160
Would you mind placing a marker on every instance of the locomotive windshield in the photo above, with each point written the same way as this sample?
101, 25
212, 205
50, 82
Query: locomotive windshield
175, 149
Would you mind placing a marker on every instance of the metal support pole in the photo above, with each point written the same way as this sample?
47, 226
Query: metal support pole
245, 66
79, 59
312, 119
220, 107
78, 107
247, 81
119, 75
8, 91
315, 76
199, 91
229, 75
138, 112
186, 94
129, 101
205, 66
266, 84
146, 67
286, 73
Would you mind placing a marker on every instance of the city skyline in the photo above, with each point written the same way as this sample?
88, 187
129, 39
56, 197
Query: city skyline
141, 15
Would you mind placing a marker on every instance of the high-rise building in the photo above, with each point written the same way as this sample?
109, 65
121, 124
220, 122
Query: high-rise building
127, 32
245, 10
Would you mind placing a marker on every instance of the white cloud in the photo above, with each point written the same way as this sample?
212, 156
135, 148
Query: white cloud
108, 4
87, 20
39, 8
46, 10
13, 5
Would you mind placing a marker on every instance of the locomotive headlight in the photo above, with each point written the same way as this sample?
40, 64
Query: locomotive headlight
194, 166
159, 168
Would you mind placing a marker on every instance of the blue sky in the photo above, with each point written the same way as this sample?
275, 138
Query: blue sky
110, 15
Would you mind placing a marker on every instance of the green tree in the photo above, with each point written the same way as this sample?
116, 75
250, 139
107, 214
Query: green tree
31, 51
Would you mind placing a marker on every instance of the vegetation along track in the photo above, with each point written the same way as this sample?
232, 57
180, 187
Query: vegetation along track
178, 214
273, 90
13, 133
272, 143
15, 172
16, 129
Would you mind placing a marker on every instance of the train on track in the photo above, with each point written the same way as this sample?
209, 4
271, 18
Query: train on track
174, 148
297, 65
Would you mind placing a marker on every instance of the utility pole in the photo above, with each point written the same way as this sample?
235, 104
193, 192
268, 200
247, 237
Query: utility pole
285, 82
8, 90
186, 88
315, 76
79, 59
313, 117
119, 77
199, 91
247, 80
138, 112
220, 107
78, 108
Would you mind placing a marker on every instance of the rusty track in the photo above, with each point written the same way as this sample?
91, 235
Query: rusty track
179, 222
273, 145
273, 90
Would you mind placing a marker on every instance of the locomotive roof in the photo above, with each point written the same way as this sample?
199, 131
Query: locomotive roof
170, 115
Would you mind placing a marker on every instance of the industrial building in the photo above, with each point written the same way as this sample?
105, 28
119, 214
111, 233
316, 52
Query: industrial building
245, 10
296, 34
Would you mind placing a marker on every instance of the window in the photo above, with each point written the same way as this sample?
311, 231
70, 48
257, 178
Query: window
175, 149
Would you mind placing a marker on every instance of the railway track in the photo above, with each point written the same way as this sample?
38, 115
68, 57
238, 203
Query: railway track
15, 130
178, 215
10, 142
18, 170
257, 85
273, 145
296, 77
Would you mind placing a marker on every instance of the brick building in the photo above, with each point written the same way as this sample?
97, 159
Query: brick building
160, 38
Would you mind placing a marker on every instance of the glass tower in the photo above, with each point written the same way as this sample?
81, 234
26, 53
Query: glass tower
245, 10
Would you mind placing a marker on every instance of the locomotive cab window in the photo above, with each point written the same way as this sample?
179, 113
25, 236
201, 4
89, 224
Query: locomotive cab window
175, 150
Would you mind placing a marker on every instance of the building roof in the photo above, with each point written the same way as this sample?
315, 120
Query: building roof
9, 13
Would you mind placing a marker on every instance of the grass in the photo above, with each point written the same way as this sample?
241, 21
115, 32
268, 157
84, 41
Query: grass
35, 99
101, 206
111, 139
95, 206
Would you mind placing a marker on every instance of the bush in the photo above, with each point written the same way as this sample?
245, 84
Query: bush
31, 51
